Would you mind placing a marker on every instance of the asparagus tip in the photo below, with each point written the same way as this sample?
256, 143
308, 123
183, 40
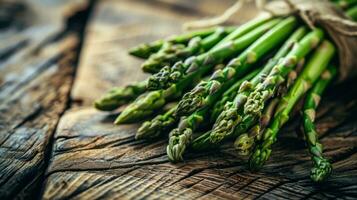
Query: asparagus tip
258, 159
105, 106
150, 67
321, 171
147, 130
244, 144
177, 144
138, 52
124, 117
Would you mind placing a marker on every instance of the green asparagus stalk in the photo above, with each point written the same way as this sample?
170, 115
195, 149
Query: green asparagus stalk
147, 104
182, 136
315, 66
269, 87
119, 96
322, 167
224, 128
197, 66
249, 120
147, 49
230, 94
161, 123
224, 78
232, 115
245, 28
167, 53
245, 142
171, 53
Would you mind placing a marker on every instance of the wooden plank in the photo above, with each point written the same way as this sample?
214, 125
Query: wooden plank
93, 159
35, 81
210, 8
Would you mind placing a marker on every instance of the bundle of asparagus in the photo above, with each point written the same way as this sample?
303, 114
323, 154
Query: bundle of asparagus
269, 64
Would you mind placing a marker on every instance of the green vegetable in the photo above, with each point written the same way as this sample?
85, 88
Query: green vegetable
181, 137
232, 122
311, 72
322, 167
157, 126
171, 53
119, 96
147, 49
224, 78
230, 94
197, 66
245, 142
278, 75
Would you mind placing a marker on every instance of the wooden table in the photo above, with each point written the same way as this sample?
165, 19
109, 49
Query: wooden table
57, 56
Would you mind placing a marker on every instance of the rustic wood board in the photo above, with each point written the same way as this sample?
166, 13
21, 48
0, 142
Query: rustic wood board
93, 159
89, 158
36, 74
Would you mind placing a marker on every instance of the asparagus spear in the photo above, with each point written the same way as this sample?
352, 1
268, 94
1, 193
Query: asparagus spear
146, 49
168, 52
263, 91
147, 104
230, 94
182, 136
150, 102
119, 96
322, 167
222, 130
222, 79
197, 66
245, 142
158, 125
162, 123
245, 28
171, 53
315, 66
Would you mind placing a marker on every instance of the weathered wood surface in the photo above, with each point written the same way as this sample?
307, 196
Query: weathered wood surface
92, 159
36, 73
86, 157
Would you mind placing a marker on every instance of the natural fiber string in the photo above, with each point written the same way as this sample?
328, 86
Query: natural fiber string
222, 18
345, 22
313, 12
311, 24
260, 4
341, 30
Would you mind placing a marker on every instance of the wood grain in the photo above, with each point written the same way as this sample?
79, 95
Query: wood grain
92, 159
36, 74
